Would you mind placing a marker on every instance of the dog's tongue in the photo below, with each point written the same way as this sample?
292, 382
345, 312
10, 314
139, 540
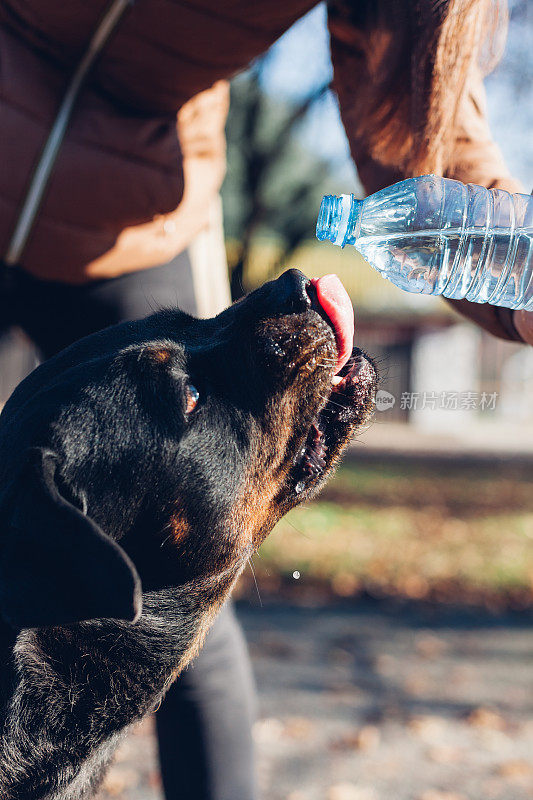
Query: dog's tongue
334, 300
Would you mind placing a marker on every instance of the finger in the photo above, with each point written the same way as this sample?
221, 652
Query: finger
523, 322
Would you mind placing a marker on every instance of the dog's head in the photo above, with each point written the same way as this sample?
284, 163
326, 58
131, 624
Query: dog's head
165, 450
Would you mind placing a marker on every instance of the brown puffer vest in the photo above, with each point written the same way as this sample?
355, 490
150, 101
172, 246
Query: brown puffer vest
144, 152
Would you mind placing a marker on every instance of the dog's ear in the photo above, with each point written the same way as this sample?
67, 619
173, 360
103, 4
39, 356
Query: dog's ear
57, 566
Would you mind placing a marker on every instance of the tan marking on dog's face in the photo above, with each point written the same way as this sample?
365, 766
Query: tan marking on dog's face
253, 514
256, 511
179, 527
160, 354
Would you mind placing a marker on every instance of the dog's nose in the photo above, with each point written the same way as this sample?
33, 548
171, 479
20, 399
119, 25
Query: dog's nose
291, 292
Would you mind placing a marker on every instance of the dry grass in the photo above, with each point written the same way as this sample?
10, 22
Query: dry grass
413, 530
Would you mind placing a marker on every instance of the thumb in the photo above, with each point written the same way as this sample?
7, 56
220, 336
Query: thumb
523, 322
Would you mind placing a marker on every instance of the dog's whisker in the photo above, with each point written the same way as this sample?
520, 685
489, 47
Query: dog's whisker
255, 580
305, 535
333, 403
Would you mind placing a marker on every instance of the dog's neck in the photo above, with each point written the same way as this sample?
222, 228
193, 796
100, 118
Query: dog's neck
93, 679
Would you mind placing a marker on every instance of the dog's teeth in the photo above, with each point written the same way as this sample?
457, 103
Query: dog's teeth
336, 380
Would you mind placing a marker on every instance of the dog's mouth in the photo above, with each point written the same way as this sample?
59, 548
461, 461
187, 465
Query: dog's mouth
350, 399
349, 404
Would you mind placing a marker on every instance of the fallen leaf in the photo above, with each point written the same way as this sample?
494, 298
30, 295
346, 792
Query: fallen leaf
426, 727
368, 737
268, 730
386, 665
515, 769
365, 738
298, 728
345, 584
430, 646
445, 755
486, 718
349, 791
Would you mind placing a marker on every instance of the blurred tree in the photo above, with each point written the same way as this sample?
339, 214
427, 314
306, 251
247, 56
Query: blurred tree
273, 184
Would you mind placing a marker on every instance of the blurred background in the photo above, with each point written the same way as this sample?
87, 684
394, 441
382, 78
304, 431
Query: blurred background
390, 621
287, 148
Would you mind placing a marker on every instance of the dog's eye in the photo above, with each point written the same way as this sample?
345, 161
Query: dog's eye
192, 397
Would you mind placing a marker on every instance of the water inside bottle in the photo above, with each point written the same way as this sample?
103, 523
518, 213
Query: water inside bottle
413, 234
432, 235
448, 261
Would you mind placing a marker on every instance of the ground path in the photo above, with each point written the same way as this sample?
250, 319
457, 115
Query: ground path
375, 701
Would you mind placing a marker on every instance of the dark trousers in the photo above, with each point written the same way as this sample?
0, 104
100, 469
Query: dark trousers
204, 723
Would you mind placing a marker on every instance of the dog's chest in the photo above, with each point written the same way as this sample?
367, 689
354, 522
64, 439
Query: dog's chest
91, 773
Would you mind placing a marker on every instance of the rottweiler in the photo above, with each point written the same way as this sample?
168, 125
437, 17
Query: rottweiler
139, 470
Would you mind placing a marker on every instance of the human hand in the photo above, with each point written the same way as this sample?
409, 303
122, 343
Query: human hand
523, 322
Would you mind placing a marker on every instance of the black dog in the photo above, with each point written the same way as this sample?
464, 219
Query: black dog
155, 454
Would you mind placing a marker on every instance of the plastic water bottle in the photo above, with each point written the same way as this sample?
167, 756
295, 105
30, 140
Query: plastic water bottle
434, 235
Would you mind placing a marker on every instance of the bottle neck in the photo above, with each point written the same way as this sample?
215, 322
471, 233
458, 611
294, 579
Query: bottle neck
339, 219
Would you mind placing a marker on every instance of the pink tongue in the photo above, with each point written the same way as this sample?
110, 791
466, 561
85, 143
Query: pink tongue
334, 300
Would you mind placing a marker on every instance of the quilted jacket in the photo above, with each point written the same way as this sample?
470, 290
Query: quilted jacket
144, 152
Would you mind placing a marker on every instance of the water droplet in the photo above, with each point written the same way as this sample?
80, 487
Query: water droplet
295, 574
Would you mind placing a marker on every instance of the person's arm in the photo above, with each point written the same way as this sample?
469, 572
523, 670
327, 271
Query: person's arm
476, 158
